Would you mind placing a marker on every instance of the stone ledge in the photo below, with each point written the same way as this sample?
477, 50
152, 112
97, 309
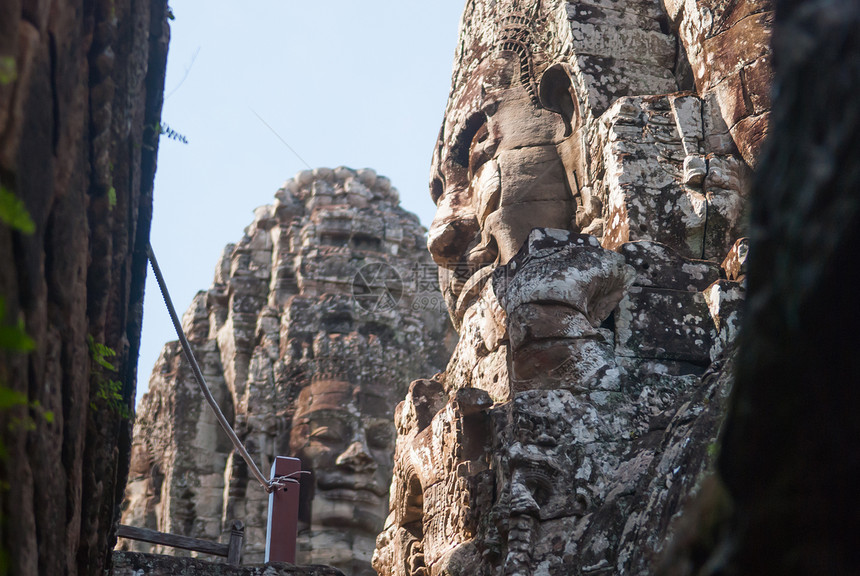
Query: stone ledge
137, 563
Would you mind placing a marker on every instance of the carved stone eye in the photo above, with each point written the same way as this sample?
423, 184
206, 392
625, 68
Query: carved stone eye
380, 436
436, 189
326, 434
462, 149
479, 151
540, 487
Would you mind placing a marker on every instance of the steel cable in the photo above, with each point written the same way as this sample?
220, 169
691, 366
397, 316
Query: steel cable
198, 375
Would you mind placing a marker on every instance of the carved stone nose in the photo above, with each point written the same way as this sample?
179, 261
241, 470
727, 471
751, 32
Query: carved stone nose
449, 237
522, 501
357, 458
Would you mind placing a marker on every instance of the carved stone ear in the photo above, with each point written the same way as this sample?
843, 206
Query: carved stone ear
556, 93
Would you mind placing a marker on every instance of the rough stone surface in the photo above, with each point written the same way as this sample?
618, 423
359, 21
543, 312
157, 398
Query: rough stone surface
136, 563
728, 46
588, 187
80, 98
316, 321
735, 264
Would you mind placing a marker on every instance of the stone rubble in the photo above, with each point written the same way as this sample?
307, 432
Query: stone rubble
137, 564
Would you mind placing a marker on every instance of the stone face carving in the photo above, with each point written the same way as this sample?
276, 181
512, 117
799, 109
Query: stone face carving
344, 434
588, 187
313, 326
556, 293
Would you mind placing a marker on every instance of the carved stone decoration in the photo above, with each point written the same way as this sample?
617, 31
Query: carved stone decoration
588, 188
556, 293
314, 324
343, 434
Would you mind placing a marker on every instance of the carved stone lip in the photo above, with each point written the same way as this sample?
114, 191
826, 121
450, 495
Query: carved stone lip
532, 345
353, 485
562, 326
362, 495
472, 288
535, 344
560, 268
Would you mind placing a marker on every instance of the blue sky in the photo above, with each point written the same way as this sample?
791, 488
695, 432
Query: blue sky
343, 83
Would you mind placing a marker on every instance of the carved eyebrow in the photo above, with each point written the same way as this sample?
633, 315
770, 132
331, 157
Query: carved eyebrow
330, 431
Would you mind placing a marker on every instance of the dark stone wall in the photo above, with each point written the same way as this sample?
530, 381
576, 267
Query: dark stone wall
81, 88
133, 563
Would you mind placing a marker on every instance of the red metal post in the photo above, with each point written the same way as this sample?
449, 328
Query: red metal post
283, 512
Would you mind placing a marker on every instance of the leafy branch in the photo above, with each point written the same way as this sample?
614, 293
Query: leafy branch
164, 129
108, 390
14, 338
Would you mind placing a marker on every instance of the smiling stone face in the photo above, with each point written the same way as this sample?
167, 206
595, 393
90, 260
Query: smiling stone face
497, 174
347, 446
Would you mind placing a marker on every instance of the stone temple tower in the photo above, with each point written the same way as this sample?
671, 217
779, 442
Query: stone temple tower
591, 180
315, 323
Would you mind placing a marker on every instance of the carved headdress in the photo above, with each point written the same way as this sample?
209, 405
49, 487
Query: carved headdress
514, 33
505, 28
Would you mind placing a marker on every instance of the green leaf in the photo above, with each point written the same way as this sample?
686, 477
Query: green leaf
111, 198
16, 338
104, 363
10, 398
14, 214
8, 70
48, 415
102, 350
100, 353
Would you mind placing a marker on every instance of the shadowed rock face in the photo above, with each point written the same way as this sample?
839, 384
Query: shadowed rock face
315, 322
81, 88
134, 563
790, 458
590, 203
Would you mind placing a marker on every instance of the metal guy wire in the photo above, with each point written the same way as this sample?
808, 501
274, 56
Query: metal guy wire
198, 375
